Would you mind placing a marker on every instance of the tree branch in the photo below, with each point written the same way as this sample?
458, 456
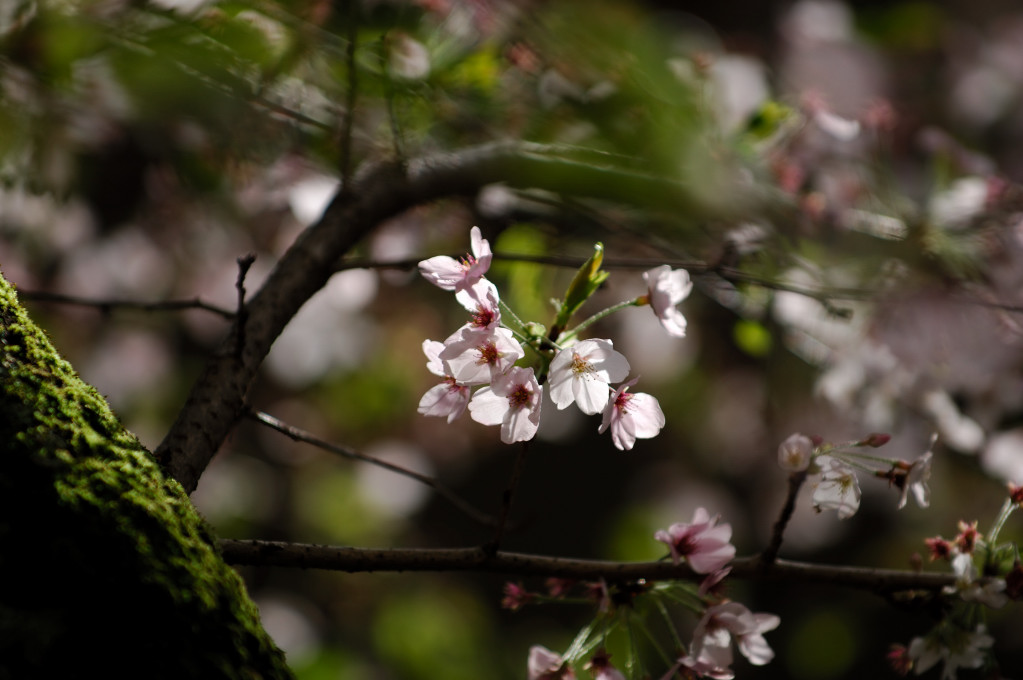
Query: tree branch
299, 435
106, 306
478, 559
217, 400
770, 554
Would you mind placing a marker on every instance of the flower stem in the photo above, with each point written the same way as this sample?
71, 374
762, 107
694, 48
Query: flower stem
1003, 515
515, 317
586, 323
506, 500
887, 462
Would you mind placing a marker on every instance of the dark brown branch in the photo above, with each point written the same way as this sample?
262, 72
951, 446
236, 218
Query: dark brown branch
332, 558
107, 306
509, 494
299, 435
242, 315
217, 400
770, 554
351, 94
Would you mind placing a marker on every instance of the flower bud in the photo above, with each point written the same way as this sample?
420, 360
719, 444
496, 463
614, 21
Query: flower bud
876, 440
794, 453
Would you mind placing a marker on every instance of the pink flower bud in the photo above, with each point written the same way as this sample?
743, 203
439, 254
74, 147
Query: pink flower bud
876, 439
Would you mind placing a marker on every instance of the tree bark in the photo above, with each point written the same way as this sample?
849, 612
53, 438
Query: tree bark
106, 568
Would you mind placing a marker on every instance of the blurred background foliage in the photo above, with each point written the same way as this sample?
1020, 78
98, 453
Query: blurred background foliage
144, 146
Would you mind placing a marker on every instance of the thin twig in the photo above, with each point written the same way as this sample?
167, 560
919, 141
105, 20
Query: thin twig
106, 305
770, 555
824, 295
350, 96
389, 95
299, 435
244, 263
507, 496
478, 559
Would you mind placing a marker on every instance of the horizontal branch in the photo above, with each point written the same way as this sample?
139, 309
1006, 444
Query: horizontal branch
108, 305
332, 558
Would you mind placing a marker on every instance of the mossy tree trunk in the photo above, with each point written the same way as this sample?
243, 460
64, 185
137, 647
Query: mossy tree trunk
106, 568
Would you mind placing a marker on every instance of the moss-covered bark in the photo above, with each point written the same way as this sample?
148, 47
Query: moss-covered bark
106, 568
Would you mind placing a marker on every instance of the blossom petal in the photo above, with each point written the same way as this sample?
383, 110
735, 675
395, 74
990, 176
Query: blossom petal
445, 399
487, 408
755, 648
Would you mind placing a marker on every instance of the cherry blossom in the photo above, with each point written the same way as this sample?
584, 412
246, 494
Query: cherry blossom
483, 302
512, 401
581, 373
992, 593
711, 647
966, 539
916, 481
838, 489
961, 650
451, 274
544, 664
475, 357
1016, 494
703, 543
516, 596
795, 452
448, 399
631, 416
708, 664
939, 548
665, 289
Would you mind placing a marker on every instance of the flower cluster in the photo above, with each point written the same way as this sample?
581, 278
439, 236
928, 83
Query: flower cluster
956, 648
486, 354
960, 639
961, 552
710, 654
838, 487
705, 545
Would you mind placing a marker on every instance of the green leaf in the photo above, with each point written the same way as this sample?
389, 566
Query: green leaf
585, 282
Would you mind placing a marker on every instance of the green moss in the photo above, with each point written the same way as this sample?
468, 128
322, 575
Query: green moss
106, 568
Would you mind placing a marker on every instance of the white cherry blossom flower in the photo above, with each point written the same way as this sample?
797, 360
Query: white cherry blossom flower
476, 356
665, 289
483, 302
448, 399
451, 274
964, 650
795, 452
631, 416
838, 489
917, 477
581, 373
992, 593
724, 622
512, 401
